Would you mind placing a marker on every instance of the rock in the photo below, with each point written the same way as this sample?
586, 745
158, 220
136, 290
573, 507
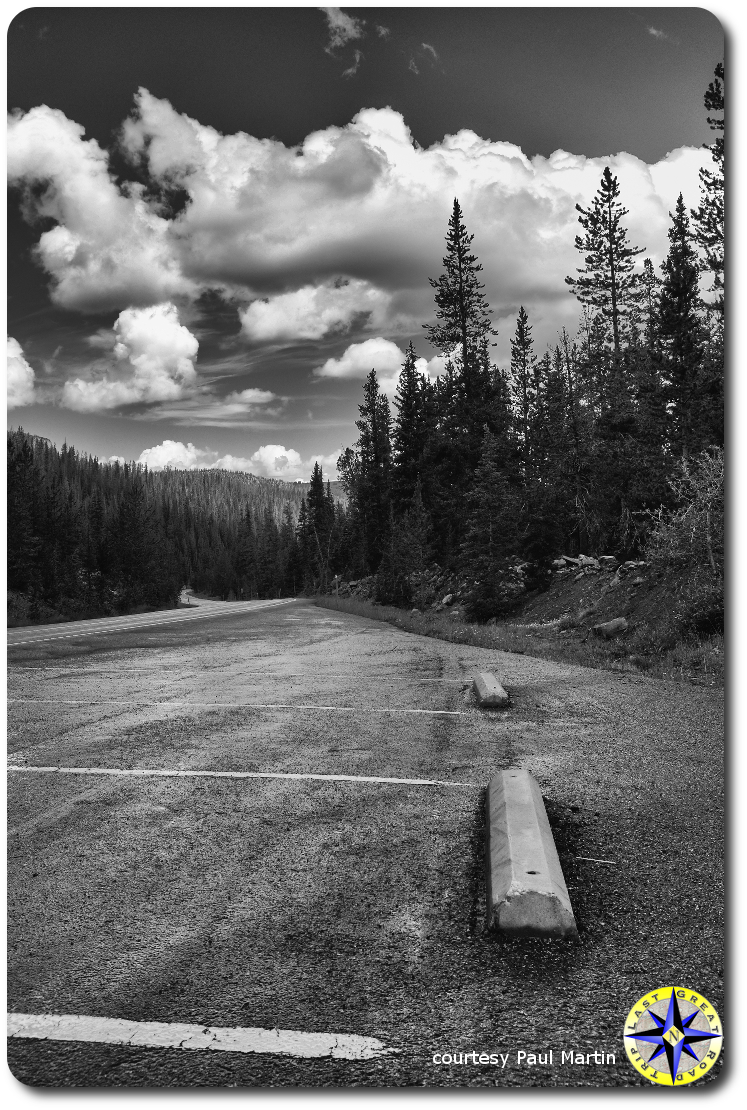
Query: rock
610, 628
559, 564
447, 600
638, 581
415, 613
578, 577
570, 561
588, 561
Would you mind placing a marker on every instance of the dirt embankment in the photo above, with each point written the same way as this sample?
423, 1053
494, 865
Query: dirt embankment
663, 621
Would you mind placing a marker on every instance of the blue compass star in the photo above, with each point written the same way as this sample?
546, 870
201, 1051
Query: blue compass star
673, 1036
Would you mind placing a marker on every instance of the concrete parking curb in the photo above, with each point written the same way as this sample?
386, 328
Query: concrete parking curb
490, 693
526, 891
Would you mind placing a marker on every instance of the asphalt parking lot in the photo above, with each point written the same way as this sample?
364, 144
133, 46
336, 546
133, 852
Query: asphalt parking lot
329, 879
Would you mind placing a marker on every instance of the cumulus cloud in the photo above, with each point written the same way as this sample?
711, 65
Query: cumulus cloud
156, 355
109, 247
175, 455
342, 28
271, 461
361, 200
20, 383
381, 355
314, 311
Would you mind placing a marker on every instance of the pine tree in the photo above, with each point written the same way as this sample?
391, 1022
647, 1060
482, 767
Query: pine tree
608, 283
524, 383
366, 472
708, 218
680, 330
461, 306
409, 432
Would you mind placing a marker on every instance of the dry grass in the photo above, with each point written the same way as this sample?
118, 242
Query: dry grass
697, 661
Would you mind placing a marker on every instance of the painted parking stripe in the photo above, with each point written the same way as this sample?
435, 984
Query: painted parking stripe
162, 620
167, 1034
142, 772
241, 705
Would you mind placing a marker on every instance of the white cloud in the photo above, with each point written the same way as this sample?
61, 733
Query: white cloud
20, 377
361, 201
156, 355
360, 359
342, 28
314, 311
378, 354
179, 456
109, 248
270, 461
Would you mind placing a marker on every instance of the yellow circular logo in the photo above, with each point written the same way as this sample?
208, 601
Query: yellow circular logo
673, 1036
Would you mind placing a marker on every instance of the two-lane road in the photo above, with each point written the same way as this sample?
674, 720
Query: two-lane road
247, 850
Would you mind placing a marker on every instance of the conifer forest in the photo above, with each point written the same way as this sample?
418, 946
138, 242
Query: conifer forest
588, 447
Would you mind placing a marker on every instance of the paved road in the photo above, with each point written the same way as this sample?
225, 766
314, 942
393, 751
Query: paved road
350, 904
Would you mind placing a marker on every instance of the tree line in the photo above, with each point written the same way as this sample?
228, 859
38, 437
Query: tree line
571, 450
90, 538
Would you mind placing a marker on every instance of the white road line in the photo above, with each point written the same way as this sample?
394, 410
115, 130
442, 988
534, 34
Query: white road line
168, 1034
149, 623
237, 705
140, 772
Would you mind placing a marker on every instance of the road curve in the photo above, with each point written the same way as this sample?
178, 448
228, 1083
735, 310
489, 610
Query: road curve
32, 634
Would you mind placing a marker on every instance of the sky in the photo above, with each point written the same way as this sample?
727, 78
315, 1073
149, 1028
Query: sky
221, 219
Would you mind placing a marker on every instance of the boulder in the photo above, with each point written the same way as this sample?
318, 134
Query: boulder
610, 628
588, 561
447, 600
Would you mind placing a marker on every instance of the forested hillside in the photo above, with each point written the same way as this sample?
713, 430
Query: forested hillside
88, 538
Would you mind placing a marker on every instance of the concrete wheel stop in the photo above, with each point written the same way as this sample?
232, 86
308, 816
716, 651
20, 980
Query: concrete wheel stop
490, 694
526, 891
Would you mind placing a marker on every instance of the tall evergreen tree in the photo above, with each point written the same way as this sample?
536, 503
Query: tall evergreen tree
708, 218
524, 383
680, 330
409, 431
608, 283
461, 307
366, 472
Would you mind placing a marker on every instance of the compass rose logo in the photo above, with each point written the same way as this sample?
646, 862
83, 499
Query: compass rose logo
673, 1036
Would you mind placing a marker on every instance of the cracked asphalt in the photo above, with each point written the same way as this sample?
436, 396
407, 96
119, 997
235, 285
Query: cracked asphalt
339, 906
